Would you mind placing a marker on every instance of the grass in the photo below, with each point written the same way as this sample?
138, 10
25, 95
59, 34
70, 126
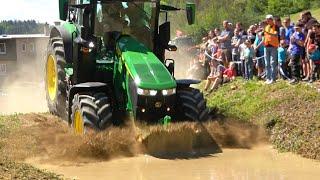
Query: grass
315, 13
241, 100
290, 112
247, 100
8, 123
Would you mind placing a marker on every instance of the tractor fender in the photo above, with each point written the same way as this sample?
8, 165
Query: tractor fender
60, 31
185, 83
84, 88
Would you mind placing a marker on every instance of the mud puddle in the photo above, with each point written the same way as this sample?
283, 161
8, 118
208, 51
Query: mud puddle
212, 150
261, 162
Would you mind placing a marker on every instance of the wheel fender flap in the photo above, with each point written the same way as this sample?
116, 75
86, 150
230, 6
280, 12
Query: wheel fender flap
66, 37
182, 83
88, 86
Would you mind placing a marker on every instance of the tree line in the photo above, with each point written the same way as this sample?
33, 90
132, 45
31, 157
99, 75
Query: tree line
21, 27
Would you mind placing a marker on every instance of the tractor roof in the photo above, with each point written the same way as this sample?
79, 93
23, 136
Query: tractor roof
130, 0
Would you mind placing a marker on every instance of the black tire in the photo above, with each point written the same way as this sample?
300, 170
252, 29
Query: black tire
57, 105
192, 105
95, 110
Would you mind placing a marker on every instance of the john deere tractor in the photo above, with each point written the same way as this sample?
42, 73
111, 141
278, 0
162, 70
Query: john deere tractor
106, 61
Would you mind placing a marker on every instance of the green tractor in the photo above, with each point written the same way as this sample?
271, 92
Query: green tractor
106, 61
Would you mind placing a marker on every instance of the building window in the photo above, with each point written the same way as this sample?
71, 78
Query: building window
3, 49
31, 47
3, 69
24, 47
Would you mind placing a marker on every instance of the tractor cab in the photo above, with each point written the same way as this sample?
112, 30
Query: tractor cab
136, 19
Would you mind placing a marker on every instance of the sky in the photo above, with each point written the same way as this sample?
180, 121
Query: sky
39, 10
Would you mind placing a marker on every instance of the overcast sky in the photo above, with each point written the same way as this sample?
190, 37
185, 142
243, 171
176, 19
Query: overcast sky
39, 10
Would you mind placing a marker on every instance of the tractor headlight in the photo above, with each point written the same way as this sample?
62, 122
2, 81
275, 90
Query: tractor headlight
91, 45
168, 92
146, 92
153, 92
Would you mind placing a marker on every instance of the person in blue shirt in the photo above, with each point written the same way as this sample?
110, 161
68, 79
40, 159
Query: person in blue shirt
289, 30
314, 56
248, 60
282, 60
296, 50
259, 49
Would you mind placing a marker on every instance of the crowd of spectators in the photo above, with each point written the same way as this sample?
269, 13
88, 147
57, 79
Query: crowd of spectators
270, 50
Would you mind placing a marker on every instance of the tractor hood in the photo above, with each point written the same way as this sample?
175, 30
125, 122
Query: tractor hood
144, 67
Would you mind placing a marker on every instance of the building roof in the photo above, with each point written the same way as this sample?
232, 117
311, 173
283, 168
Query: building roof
22, 36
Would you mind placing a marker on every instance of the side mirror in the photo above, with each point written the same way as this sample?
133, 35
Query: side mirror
85, 29
191, 12
164, 34
63, 9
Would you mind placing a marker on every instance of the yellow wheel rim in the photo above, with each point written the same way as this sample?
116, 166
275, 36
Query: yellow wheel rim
51, 77
78, 123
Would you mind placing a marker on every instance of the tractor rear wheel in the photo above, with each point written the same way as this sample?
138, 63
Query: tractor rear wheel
90, 111
55, 78
192, 105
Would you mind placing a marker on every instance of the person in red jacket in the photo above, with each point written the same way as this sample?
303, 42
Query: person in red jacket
230, 73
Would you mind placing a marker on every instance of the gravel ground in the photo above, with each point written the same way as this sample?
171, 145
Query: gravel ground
13, 170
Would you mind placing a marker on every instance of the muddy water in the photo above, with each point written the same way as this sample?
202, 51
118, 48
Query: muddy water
258, 163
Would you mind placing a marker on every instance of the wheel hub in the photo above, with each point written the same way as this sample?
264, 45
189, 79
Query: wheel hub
78, 123
51, 77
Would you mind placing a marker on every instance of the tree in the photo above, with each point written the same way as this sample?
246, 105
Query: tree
21, 27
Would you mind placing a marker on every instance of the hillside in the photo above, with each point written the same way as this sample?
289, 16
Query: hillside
290, 113
315, 13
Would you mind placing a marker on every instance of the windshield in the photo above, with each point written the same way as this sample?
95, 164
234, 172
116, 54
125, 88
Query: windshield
136, 19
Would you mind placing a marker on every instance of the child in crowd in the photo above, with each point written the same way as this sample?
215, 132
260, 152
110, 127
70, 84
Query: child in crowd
248, 60
235, 42
314, 55
242, 48
216, 76
230, 73
282, 60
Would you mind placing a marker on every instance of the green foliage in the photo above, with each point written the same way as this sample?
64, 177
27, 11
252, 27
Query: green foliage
285, 7
211, 13
21, 27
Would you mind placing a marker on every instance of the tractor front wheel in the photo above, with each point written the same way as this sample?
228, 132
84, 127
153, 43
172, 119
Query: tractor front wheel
90, 111
192, 105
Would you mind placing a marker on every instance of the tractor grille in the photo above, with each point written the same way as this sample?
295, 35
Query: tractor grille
157, 105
